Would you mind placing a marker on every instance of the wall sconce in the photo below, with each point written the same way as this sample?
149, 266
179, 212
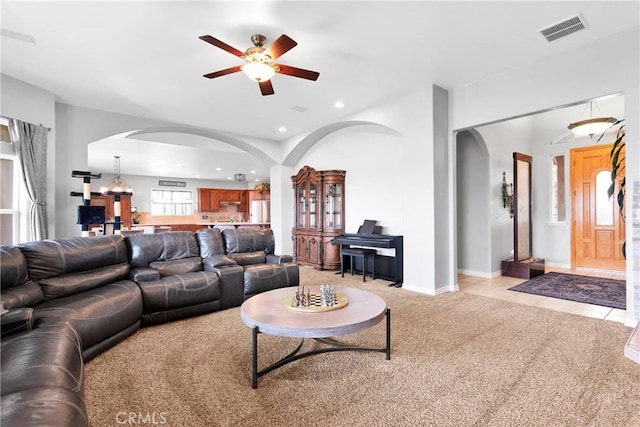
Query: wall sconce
507, 194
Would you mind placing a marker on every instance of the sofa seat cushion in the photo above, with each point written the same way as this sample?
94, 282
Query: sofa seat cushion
98, 313
44, 407
180, 291
179, 266
47, 356
249, 258
265, 277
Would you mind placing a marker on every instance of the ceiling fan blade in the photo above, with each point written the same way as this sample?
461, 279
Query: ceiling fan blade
281, 46
222, 45
223, 72
297, 72
266, 88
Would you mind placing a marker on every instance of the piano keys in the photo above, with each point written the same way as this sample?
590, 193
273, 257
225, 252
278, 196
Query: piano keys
347, 240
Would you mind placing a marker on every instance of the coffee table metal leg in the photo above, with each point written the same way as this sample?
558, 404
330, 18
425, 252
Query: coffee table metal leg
388, 334
254, 357
295, 355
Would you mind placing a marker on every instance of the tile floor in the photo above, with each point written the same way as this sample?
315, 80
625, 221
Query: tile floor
497, 288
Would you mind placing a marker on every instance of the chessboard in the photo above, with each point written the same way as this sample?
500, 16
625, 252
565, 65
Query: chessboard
315, 304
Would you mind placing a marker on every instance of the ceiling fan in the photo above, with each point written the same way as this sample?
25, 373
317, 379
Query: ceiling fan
259, 62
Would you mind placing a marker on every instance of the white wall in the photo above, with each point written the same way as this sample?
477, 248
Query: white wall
390, 178
577, 75
473, 207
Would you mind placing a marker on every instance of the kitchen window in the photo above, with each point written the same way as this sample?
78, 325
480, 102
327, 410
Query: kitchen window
171, 202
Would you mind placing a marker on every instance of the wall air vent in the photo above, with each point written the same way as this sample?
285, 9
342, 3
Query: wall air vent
563, 28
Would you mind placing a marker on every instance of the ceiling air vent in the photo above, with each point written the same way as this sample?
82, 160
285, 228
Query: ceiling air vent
563, 28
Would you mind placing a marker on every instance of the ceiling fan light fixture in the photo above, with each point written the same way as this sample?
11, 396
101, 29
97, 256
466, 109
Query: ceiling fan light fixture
591, 126
258, 71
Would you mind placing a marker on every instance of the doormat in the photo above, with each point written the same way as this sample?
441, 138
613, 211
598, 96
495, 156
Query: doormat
590, 290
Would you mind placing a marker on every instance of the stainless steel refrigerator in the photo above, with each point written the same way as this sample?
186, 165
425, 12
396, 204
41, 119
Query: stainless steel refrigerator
260, 211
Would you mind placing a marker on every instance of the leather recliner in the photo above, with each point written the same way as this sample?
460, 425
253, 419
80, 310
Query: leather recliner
42, 365
169, 271
252, 249
85, 282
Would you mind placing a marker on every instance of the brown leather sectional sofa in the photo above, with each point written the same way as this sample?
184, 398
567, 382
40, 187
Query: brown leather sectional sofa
68, 300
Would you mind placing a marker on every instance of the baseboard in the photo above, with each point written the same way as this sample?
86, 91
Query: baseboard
418, 289
482, 274
558, 265
632, 348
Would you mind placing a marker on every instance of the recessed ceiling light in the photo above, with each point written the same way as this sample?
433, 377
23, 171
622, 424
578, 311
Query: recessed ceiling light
282, 129
178, 165
198, 176
257, 180
218, 169
338, 104
253, 171
229, 177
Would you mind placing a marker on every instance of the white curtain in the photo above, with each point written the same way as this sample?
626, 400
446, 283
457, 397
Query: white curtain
30, 142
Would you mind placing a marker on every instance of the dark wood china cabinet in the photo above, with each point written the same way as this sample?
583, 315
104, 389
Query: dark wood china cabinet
319, 217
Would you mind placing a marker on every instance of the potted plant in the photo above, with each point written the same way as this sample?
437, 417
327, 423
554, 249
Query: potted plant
617, 157
135, 215
263, 186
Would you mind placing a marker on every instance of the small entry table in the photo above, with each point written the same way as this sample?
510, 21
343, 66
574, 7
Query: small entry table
267, 313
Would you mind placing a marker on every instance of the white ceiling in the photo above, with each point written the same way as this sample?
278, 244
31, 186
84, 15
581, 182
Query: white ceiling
145, 59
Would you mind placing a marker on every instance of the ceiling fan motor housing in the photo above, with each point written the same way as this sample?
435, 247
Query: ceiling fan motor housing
258, 40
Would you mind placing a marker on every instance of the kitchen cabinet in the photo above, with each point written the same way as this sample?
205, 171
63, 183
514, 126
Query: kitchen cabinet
213, 199
208, 200
107, 201
319, 217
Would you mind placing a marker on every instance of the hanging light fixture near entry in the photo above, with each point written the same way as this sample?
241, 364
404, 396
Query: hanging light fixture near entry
592, 126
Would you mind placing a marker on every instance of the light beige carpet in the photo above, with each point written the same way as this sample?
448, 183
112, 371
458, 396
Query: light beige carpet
457, 360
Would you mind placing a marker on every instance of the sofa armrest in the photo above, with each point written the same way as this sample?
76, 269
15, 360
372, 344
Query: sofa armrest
213, 262
144, 274
16, 320
278, 259
232, 281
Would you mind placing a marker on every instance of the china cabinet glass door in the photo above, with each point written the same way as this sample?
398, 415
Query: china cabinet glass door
333, 205
313, 205
302, 204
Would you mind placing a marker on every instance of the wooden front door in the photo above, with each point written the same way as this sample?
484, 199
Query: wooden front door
598, 230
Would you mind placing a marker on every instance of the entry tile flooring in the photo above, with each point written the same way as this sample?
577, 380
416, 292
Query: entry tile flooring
497, 288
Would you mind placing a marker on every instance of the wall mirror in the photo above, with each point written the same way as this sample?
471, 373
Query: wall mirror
522, 235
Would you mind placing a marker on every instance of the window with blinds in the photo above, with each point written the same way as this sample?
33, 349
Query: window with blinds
171, 202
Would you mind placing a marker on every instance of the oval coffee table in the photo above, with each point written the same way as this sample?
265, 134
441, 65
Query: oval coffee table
267, 313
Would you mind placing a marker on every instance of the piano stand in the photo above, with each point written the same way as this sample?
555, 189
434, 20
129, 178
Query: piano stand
386, 267
362, 253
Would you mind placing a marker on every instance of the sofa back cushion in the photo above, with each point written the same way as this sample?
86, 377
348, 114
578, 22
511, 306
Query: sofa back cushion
175, 245
249, 240
211, 242
68, 266
69, 284
18, 290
